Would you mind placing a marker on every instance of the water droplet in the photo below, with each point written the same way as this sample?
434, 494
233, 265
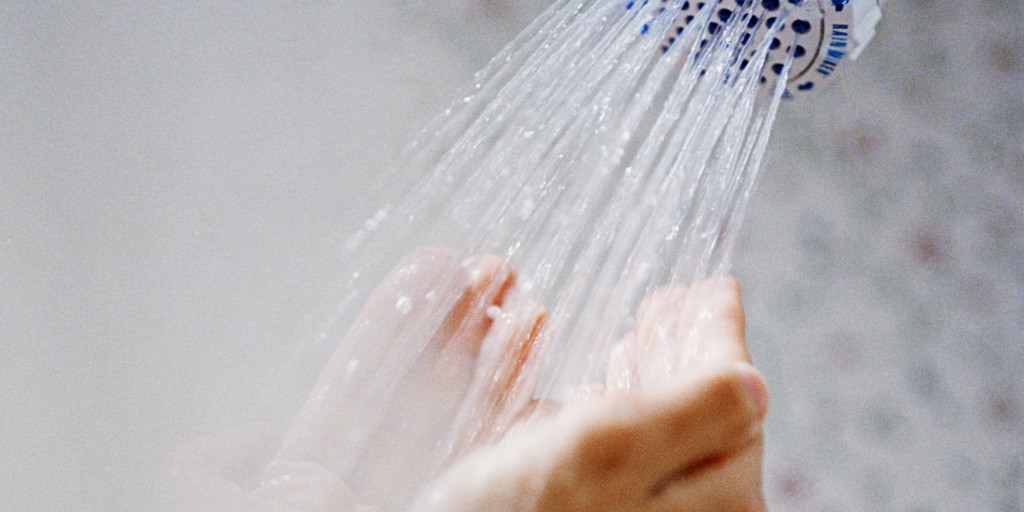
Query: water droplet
526, 208
350, 368
403, 304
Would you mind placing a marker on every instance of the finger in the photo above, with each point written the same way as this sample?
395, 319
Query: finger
673, 430
306, 487
506, 376
730, 482
237, 455
657, 321
649, 353
654, 309
715, 322
419, 412
517, 370
214, 473
485, 279
538, 409
621, 375
681, 327
335, 422
715, 412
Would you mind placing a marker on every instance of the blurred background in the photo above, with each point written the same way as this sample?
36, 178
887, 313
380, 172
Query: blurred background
176, 182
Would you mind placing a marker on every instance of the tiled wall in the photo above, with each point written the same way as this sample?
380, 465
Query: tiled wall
884, 258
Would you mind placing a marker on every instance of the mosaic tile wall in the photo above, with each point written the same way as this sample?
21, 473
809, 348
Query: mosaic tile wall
885, 266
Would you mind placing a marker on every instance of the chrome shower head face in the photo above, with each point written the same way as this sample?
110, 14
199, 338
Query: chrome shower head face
821, 34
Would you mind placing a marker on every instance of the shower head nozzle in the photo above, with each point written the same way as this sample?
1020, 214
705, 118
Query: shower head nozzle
820, 34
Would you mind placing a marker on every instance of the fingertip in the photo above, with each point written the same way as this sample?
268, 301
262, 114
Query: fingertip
735, 393
490, 276
664, 299
485, 280
426, 259
517, 323
730, 283
508, 367
619, 377
756, 389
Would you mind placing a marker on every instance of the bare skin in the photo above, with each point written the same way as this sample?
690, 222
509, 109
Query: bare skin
652, 441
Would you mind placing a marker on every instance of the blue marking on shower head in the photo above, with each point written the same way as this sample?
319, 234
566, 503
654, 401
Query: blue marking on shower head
839, 4
823, 34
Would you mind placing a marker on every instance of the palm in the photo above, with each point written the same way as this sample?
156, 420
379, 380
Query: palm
653, 442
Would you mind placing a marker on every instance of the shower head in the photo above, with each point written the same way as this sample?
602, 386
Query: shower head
821, 34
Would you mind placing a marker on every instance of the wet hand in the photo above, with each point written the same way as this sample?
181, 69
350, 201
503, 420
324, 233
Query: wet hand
657, 441
653, 442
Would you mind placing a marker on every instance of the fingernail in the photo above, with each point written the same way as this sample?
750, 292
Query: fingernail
758, 391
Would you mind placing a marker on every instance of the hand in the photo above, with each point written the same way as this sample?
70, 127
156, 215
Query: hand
652, 443
228, 472
425, 323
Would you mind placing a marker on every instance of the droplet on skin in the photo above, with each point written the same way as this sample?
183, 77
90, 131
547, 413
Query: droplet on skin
350, 368
403, 304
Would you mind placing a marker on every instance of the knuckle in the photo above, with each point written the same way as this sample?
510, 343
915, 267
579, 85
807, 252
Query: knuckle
728, 393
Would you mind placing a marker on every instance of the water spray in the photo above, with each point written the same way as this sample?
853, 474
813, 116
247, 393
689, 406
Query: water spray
605, 156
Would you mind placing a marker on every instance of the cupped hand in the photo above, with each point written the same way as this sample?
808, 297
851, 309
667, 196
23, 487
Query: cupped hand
660, 438
656, 441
